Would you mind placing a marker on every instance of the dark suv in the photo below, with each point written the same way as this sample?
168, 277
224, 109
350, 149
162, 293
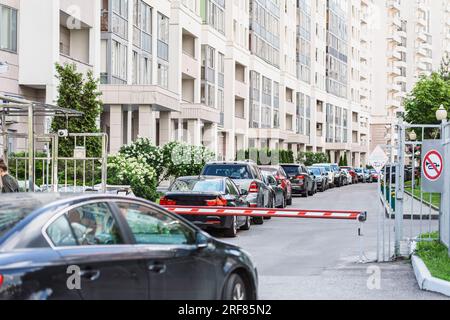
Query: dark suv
301, 180
247, 176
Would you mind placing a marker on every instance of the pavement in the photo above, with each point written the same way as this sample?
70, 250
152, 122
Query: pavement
318, 259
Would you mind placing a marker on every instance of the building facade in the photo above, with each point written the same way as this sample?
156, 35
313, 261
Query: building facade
291, 74
414, 34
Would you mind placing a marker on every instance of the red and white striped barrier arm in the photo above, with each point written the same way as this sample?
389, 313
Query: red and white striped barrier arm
261, 212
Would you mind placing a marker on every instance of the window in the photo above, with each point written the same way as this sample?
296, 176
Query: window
60, 233
152, 227
119, 60
8, 29
163, 75
87, 225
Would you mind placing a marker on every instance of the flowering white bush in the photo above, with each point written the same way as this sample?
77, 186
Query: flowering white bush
136, 172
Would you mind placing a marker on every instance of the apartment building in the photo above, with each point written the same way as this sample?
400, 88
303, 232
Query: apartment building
292, 74
34, 35
411, 40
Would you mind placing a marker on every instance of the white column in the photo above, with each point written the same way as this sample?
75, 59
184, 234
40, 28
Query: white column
194, 130
147, 123
116, 128
165, 128
210, 138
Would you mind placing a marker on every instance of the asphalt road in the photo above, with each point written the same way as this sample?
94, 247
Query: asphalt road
318, 259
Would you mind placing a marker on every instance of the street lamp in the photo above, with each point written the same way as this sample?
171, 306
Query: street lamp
441, 113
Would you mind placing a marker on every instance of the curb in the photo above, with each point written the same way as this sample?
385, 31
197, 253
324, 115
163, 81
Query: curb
425, 202
426, 281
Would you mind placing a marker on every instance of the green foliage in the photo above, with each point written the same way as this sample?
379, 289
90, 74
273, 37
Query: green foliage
144, 166
81, 94
426, 98
310, 158
345, 160
135, 172
435, 256
266, 156
181, 159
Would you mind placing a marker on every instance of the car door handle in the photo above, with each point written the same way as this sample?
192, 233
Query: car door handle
157, 268
91, 275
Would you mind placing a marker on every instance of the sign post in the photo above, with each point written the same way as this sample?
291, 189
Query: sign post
433, 166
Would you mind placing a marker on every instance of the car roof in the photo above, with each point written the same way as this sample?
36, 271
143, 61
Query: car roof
202, 178
231, 162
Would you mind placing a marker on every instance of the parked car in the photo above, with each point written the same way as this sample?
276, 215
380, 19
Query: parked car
329, 172
277, 195
247, 176
283, 180
373, 175
212, 192
367, 175
353, 173
121, 247
302, 182
360, 174
320, 176
337, 178
348, 177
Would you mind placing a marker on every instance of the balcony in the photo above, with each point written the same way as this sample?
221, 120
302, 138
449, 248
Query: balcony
241, 89
290, 108
394, 54
400, 64
394, 37
395, 21
200, 111
422, 37
82, 67
421, 21
241, 125
190, 66
394, 88
394, 71
392, 103
394, 5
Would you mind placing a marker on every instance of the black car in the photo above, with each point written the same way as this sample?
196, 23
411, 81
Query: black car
213, 192
320, 176
277, 195
247, 176
302, 182
109, 247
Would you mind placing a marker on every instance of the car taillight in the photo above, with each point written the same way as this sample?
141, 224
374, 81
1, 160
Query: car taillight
1, 280
300, 177
167, 202
218, 202
253, 188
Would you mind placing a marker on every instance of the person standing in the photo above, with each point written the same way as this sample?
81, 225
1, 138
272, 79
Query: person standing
9, 184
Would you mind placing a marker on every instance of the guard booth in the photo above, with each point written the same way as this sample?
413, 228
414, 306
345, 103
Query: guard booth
35, 161
414, 190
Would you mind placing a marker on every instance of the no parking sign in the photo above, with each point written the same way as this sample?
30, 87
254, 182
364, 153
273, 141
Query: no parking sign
433, 166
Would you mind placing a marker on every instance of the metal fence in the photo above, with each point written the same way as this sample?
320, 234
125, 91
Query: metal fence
410, 215
50, 172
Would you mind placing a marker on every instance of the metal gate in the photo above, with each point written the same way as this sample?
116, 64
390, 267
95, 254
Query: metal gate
410, 215
50, 172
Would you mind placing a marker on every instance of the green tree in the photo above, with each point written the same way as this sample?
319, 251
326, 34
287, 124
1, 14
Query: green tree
345, 160
426, 97
78, 93
310, 158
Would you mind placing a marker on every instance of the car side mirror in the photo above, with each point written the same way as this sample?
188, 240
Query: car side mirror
244, 192
201, 241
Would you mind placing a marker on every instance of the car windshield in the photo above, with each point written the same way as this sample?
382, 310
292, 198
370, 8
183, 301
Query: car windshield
334, 167
326, 168
358, 170
316, 171
291, 170
235, 172
268, 170
10, 216
196, 185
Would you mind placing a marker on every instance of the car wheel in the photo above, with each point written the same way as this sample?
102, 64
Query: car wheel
235, 289
305, 194
231, 232
289, 201
258, 220
247, 224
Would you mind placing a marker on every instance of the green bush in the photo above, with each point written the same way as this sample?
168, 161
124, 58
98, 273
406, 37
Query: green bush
266, 156
310, 158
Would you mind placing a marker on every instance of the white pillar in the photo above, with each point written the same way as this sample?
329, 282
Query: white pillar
147, 123
164, 128
194, 130
129, 126
116, 128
